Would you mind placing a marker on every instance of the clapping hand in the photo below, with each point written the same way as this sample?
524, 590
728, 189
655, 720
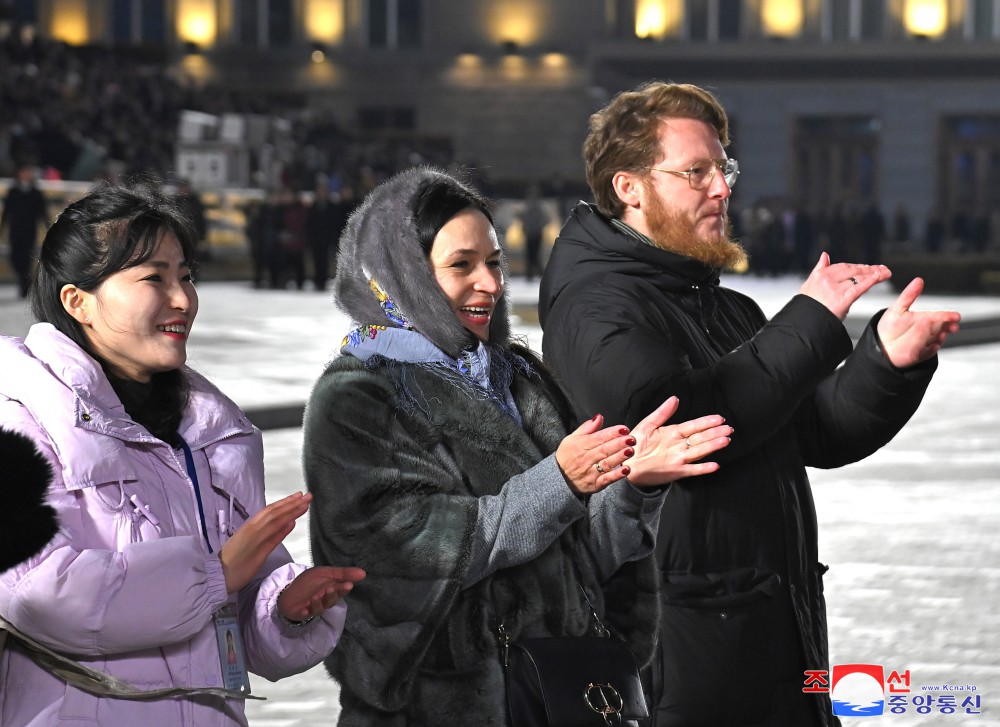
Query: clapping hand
667, 453
838, 286
244, 553
910, 337
315, 590
590, 458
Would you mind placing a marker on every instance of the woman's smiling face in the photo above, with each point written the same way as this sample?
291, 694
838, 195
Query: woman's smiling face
138, 320
465, 260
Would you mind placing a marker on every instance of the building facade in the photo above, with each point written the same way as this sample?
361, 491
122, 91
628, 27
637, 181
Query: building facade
834, 103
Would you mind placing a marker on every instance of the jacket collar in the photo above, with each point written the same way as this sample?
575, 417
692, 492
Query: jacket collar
615, 238
51, 362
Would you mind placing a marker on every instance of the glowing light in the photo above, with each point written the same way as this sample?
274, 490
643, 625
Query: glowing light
781, 18
468, 69
468, 61
926, 17
320, 74
514, 68
515, 20
318, 56
555, 60
658, 19
196, 21
197, 68
325, 20
69, 22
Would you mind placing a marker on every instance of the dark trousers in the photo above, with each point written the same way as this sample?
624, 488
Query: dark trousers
21, 255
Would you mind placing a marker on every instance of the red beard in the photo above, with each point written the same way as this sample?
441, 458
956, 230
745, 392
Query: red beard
674, 231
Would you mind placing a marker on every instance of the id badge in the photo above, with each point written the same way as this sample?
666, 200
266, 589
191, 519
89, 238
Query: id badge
231, 654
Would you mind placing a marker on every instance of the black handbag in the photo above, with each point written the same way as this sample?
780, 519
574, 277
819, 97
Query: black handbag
572, 681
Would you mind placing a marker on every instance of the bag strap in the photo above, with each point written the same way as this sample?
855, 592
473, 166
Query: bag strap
503, 638
97, 682
601, 630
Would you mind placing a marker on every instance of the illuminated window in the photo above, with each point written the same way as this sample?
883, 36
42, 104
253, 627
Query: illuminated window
197, 21
658, 19
696, 20
926, 18
781, 18
324, 21
394, 24
69, 22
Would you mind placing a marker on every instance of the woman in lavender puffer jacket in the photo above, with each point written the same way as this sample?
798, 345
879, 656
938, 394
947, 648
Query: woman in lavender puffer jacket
166, 552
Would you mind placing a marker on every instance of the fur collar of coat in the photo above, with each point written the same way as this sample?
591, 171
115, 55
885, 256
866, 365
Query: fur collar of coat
381, 241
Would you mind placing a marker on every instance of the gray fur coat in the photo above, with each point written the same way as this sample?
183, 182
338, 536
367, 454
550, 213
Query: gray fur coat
396, 492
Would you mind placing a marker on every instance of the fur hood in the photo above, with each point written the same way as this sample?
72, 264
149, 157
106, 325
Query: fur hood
381, 242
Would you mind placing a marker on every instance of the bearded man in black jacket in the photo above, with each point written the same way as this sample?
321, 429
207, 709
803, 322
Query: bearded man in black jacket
633, 312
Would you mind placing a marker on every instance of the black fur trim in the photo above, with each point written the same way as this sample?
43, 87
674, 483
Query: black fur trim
27, 523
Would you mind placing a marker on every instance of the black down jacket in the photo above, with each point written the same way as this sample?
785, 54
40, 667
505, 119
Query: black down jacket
627, 325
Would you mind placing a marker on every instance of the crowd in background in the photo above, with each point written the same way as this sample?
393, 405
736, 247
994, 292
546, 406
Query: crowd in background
787, 238
107, 113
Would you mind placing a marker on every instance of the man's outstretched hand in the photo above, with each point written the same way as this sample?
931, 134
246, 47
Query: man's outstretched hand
909, 337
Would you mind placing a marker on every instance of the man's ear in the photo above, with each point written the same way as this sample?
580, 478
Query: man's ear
76, 303
628, 187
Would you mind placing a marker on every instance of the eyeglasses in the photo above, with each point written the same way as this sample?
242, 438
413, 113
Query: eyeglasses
701, 173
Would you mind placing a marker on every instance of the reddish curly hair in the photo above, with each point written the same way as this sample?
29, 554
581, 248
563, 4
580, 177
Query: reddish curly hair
624, 135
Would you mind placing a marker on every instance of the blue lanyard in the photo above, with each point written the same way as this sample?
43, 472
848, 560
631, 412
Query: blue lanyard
189, 461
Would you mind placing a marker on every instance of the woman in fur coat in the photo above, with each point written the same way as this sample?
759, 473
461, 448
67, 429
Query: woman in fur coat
440, 458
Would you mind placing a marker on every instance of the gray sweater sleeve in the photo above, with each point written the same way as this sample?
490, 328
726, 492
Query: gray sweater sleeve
516, 525
536, 506
623, 525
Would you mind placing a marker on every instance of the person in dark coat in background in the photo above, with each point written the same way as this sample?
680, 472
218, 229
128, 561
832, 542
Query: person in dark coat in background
320, 233
533, 220
192, 205
344, 202
871, 229
632, 307
23, 211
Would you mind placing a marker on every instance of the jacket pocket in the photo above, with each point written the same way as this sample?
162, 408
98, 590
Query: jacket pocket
714, 661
